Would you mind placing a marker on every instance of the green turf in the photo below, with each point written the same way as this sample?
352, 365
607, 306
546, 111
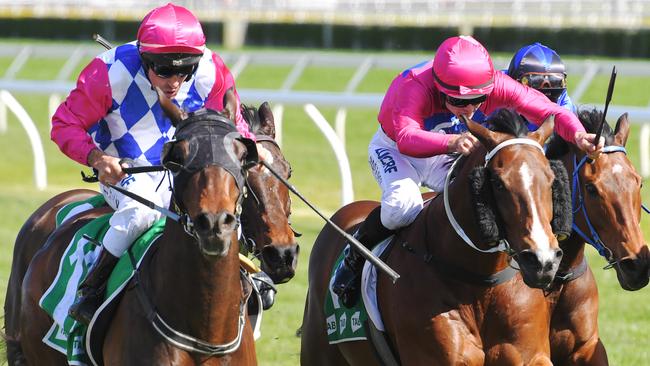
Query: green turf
624, 316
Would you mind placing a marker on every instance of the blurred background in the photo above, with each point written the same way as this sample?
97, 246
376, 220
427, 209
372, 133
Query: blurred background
323, 66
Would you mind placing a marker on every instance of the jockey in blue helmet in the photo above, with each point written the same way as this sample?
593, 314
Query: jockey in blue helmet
541, 68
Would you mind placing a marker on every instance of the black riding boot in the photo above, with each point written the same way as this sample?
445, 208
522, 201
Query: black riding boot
91, 290
266, 289
347, 279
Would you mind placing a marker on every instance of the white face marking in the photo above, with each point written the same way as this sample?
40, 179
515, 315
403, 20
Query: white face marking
617, 169
537, 230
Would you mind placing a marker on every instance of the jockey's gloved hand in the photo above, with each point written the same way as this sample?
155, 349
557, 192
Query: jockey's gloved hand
109, 168
265, 287
585, 142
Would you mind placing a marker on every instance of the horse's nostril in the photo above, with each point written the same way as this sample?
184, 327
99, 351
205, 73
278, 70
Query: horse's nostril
226, 222
559, 253
203, 222
528, 258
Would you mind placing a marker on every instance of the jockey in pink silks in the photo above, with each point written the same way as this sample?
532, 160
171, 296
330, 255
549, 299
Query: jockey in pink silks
419, 127
114, 113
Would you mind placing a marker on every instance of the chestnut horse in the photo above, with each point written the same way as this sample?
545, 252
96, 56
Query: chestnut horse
442, 311
193, 281
607, 206
265, 220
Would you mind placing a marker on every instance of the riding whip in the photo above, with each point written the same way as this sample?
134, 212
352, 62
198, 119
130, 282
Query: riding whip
101, 40
610, 91
367, 254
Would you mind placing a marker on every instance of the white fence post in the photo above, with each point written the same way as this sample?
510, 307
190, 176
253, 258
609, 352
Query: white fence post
644, 150
40, 169
347, 194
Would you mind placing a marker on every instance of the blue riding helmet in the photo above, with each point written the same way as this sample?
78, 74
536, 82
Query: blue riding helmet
541, 68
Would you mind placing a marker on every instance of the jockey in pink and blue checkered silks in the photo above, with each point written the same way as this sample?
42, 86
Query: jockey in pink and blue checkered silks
114, 113
420, 126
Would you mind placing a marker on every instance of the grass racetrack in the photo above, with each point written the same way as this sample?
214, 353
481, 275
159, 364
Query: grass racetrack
624, 316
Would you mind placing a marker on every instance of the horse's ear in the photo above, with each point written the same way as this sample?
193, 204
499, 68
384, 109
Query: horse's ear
266, 119
544, 131
622, 130
175, 114
488, 138
230, 104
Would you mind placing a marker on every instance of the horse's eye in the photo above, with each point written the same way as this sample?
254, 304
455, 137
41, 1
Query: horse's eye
591, 189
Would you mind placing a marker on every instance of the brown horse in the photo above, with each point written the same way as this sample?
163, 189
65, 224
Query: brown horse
441, 312
265, 221
267, 207
607, 206
193, 282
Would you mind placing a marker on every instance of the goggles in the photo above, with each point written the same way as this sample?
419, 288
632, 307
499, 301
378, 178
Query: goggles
458, 102
167, 72
540, 80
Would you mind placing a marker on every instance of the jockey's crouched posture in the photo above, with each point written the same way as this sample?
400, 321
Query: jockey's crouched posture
419, 126
113, 113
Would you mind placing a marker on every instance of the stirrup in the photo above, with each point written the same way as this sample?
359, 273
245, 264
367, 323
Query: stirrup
85, 305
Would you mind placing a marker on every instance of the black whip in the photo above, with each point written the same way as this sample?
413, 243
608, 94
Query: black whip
370, 256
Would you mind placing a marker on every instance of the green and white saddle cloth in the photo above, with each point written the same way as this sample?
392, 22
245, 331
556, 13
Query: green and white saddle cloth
343, 324
349, 324
67, 335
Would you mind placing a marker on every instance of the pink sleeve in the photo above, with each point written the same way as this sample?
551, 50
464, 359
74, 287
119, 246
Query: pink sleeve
533, 105
83, 108
224, 81
412, 103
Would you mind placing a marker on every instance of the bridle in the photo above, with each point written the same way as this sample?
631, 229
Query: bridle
218, 155
503, 246
592, 238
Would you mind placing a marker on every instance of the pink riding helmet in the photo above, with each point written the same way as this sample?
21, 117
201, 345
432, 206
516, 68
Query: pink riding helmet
171, 29
462, 67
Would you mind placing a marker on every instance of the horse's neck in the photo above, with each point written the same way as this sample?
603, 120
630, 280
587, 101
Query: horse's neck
195, 291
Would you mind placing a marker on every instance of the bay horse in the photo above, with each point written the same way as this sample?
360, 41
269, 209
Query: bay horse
265, 224
193, 279
441, 311
607, 207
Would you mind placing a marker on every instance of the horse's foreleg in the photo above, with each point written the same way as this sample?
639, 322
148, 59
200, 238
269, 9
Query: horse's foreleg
593, 353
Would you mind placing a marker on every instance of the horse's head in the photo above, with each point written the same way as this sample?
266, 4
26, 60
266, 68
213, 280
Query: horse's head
208, 158
518, 190
265, 218
611, 194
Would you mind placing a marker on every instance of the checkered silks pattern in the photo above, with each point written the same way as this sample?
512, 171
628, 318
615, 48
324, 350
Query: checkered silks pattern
135, 127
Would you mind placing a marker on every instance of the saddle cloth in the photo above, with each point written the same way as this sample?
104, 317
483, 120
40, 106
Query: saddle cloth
348, 324
67, 335
78, 342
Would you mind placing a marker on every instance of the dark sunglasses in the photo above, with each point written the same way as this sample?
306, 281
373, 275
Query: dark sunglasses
540, 80
166, 72
458, 102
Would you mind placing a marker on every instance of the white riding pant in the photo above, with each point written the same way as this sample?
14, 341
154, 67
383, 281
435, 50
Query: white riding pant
132, 218
400, 177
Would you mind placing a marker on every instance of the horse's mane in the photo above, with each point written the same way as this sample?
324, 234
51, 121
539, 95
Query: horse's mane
508, 121
590, 119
